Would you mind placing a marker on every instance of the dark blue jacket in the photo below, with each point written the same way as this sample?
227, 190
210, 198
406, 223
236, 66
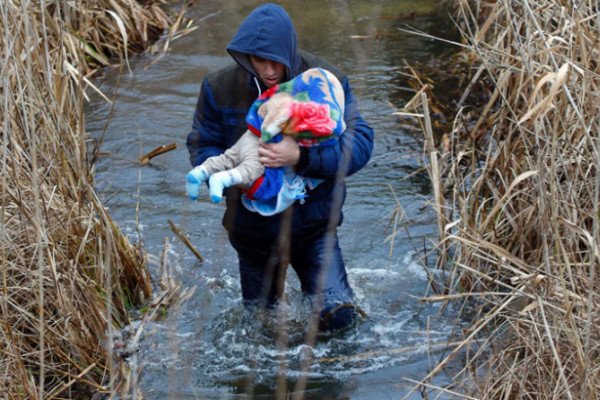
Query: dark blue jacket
220, 119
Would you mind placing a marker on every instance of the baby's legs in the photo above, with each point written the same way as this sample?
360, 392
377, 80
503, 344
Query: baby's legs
239, 164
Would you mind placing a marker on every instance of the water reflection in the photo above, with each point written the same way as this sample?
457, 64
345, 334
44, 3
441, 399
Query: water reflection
207, 347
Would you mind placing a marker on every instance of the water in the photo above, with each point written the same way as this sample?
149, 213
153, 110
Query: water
207, 347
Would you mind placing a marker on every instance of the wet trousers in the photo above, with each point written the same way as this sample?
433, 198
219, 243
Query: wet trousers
315, 255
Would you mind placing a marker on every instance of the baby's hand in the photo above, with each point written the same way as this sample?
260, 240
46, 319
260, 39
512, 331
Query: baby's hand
192, 183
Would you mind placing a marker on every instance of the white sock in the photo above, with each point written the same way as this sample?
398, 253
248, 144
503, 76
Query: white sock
193, 180
221, 180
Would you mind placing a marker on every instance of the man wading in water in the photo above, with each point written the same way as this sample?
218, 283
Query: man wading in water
305, 235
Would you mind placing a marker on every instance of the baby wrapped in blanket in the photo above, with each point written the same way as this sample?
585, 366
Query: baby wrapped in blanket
310, 107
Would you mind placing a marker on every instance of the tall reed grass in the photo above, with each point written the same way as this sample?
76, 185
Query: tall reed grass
69, 277
517, 193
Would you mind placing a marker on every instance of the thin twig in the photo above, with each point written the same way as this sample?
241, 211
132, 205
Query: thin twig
185, 240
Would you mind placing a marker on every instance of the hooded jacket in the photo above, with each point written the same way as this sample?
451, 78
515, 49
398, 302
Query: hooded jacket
226, 96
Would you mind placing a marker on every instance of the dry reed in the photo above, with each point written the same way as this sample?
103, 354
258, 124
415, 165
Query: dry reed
69, 277
517, 195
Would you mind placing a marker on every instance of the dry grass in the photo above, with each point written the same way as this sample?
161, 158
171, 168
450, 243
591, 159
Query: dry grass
517, 194
69, 277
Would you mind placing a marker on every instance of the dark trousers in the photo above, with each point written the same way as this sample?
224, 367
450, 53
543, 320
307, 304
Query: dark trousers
315, 255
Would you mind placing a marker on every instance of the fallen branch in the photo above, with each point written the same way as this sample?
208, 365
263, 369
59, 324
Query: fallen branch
185, 240
158, 151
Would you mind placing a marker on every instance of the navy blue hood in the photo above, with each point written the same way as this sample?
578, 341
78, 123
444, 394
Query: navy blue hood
268, 32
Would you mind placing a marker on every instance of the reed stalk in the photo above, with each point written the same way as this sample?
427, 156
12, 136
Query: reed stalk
520, 168
69, 277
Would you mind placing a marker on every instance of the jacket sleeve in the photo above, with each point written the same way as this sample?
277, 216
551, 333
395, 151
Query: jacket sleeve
206, 138
351, 152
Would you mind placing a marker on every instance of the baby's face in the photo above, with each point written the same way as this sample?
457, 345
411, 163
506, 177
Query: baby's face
276, 114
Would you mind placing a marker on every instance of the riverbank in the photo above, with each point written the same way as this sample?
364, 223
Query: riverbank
516, 187
69, 276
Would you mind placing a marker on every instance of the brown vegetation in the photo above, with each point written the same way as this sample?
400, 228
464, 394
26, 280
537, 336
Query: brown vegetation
69, 277
517, 187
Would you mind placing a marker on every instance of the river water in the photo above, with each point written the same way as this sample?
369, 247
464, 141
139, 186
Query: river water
206, 347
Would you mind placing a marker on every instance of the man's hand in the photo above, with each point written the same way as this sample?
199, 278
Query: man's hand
275, 155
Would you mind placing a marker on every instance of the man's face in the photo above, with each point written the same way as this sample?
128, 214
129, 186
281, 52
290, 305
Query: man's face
270, 72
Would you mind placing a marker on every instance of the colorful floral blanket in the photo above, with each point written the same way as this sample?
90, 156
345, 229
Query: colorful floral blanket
309, 107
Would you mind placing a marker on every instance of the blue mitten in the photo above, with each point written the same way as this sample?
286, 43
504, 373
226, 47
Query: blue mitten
219, 181
192, 183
